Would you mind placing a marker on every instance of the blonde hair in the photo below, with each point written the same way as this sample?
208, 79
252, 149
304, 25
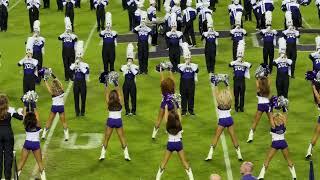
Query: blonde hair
56, 87
279, 119
224, 99
4, 106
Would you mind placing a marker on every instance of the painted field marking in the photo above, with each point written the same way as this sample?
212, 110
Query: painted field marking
14, 5
255, 41
94, 141
308, 25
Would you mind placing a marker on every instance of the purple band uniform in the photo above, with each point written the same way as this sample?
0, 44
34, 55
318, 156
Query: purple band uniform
57, 109
281, 144
174, 146
114, 123
31, 145
225, 122
265, 107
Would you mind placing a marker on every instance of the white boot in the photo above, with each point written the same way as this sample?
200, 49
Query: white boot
19, 172
309, 152
43, 175
66, 134
293, 172
262, 172
126, 154
250, 137
154, 133
209, 157
190, 174
239, 154
159, 174
44, 133
103, 153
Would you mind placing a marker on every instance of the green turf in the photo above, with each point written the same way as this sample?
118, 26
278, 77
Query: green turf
146, 155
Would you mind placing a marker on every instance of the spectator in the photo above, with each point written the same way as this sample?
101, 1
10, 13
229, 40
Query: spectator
246, 169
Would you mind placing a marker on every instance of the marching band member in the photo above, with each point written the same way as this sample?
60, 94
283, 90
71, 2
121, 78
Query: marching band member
210, 49
69, 4
237, 34
138, 13
60, 5
315, 56
189, 15
33, 7
224, 100
266, 5
291, 35
38, 44
269, 41
55, 88
317, 2
174, 129
293, 7
152, 16
188, 71
130, 71
234, 9
256, 7
77, 3
283, 64
68, 45
176, 9
81, 75
199, 7
114, 121
4, 15
99, 5
144, 39
206, 13
247, 10
174, 39
131, 7
29, 68
240, 71
109, 44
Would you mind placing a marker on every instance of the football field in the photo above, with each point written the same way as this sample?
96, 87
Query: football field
78, 158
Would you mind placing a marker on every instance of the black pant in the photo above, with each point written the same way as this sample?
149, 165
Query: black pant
6, 151
247, 10
33, 16
29, 83
204, 26
258, 19
100, 18
154, 36
68, 56
187, 89
318, 12
159, 5
263, 21
292, 54
268, 53
129, 89
108, 57
143, 55
174, 55
46, 3
239, 89
282, 84
38, 56
200, 24
80, 90
59, 5
77, 4
70, 13
3, 18
210, 53
91, 5
189, 31
213, 5
234, 49
131, 11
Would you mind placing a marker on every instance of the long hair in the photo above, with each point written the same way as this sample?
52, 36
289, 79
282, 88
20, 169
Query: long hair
56, 88
224, 99
4, 106
167, 86
30, 121
114, 101
173, 124
279, 119
264, 87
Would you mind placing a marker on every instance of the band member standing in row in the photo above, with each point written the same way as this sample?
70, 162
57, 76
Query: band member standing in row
38, 44
60, 5
69, 5
189, 15
240, 71
4, 15
100, 13
152, 16
81, 75
131, 6
234, 9
129, 88
77, 3
206, 13
176, 9
256, 8
188, 71
291, 35
266, 5
144, 38
68, 43
283, 65
269, 41
293, 7
315, 56
30, 71
33, 7
109, 38
210, 49
237, 34
247, 10
138, 13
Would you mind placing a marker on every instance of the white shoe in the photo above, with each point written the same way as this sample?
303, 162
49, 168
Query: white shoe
126, 154
19, 172
66, 134
103, 153
159, 174
293, 172
44, 133
262, 172
309, 151
209, 157
43, 175
239, 154
154, 133
250, 137
190, 174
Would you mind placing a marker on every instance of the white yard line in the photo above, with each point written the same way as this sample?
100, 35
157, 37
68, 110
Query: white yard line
223, 141
14, 5
255, 41
308, 25
44, 149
